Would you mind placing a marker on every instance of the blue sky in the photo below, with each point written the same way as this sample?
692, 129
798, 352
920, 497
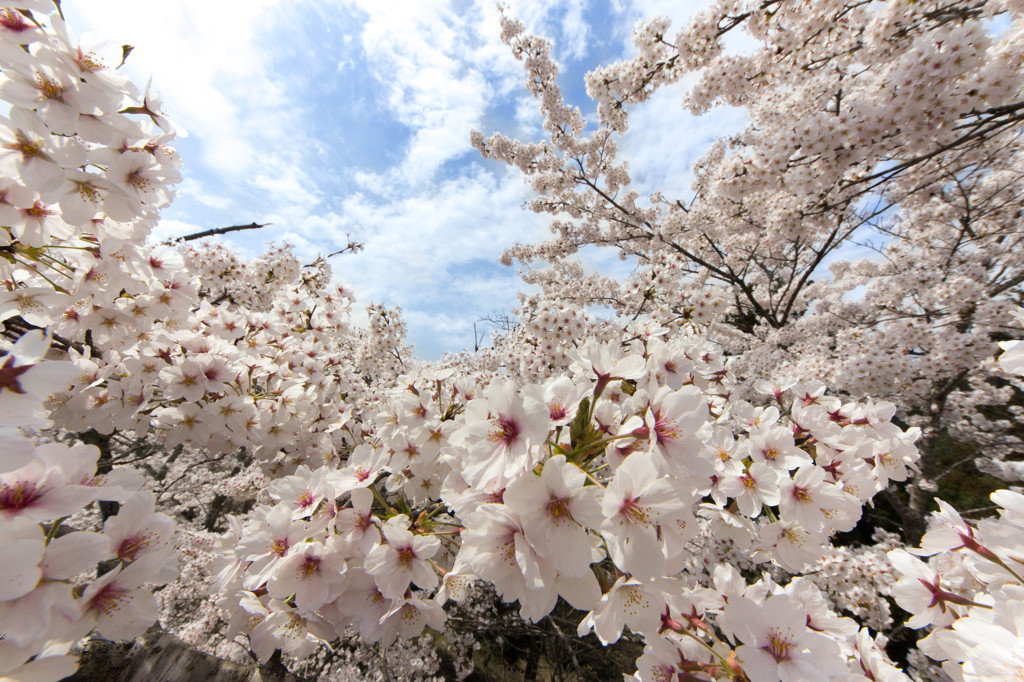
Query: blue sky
332, 117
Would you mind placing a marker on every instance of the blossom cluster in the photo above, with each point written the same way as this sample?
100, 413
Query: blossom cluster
860, 227
970, 591
50, 593
669, 469
590, 486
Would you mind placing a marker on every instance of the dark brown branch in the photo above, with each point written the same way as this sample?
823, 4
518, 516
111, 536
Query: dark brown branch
220, 230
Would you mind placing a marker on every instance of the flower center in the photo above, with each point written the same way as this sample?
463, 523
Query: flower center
665, 428
556, 410
779, 646
279, 546
49, 88
311, 566
305, 499
801, 494
19, 495
633, 512
405, 556
131, 546
558, 508
506, 430
108, 599
13, 20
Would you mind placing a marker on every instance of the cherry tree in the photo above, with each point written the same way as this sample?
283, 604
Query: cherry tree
892, 127
299, 481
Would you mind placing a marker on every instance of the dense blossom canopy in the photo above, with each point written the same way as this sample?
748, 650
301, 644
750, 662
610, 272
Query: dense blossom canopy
676, 474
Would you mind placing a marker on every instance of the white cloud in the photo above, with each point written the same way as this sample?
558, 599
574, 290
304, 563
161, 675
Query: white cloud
279, 96
415, 243
207, 63
174, 229
440, 66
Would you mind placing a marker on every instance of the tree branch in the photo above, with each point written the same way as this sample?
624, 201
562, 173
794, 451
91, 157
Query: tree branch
220, 230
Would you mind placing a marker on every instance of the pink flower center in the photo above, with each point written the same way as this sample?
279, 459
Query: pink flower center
131, 546
19, 496
665, 428
633, 512
305, 499
506, 430
13, 20
108, 599
279, 546
558, 508
364, 522
405, 556
311, 566
801, 495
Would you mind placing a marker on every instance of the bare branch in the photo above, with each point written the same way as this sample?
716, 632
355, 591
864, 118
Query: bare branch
220, 230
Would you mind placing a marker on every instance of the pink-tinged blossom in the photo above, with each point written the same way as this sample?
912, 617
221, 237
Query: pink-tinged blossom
922, 592
632, 603
364, 465
605, 363
294, 632
671, 424
408, 616
949, 532
777, 644
27, 379
116, 602
268, 539
561, 395
402, 558
41, 492
815, 504
49, 610
312, 572
303, 491
357, 523
29, 152
753, 488
774, 446
793, 546
502, 435
496, 548
361, 603
668, 660
557, 511
138, 531
636, 503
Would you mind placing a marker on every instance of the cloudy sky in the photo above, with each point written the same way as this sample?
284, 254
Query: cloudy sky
334, 117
